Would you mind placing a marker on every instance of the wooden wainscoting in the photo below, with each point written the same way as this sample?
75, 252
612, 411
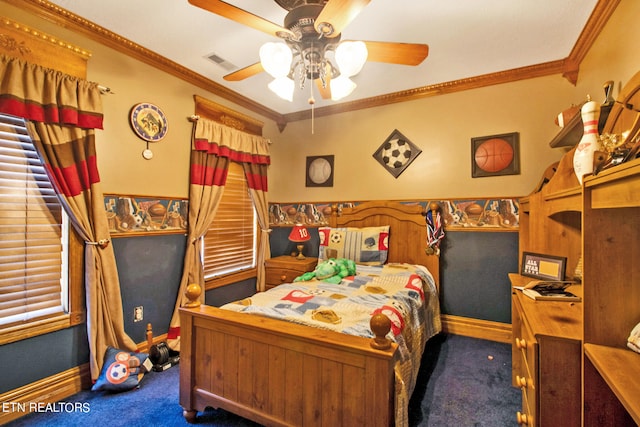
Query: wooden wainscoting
476, 328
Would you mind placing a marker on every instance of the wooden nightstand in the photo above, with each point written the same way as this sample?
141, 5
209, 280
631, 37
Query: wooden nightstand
285, 268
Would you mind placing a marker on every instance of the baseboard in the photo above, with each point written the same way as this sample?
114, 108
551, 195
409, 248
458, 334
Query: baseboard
35, 396
476, 328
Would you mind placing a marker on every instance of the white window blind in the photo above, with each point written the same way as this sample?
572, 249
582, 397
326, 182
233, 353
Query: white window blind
229, 245
33, 232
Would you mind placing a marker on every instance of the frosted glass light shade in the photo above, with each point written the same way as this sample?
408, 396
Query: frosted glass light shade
350, 57
283, 87
276, 59
341, 86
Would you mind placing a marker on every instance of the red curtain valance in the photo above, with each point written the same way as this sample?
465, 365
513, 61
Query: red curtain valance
223, 141
49, 96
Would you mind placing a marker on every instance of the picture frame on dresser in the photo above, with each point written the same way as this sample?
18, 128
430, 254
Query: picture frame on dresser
546, 267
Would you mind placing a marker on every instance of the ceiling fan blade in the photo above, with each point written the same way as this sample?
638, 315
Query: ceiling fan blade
242, 16
325, 92
337, 14
244, 73
397, 53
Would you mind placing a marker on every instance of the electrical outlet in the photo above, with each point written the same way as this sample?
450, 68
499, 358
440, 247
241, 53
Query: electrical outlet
137, 314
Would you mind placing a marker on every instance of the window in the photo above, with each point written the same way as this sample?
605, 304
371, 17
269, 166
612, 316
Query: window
35, 242
229, 247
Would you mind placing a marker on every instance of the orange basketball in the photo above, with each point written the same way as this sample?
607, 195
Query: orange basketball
494, 155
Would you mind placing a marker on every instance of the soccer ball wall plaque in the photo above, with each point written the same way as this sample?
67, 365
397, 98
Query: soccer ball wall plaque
396, 153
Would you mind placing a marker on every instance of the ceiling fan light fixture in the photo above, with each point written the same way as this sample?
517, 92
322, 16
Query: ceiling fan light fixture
341, 86
276, 59
283, 87
350, 57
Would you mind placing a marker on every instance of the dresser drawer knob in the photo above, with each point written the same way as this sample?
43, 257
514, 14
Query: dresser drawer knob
524, 419
283, 278
521, 381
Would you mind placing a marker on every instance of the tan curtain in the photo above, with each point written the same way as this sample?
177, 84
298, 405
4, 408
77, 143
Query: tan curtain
256, 175
62, 112
213, 147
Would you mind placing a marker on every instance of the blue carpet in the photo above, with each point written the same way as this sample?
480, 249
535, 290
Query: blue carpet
462, 382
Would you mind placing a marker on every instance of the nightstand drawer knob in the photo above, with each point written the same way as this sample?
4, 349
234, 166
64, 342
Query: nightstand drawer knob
524, 419
283, 278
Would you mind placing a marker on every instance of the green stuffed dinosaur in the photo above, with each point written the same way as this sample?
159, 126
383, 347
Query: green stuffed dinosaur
331, 271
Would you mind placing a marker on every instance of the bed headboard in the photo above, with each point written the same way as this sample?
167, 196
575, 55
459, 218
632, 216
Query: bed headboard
407, 230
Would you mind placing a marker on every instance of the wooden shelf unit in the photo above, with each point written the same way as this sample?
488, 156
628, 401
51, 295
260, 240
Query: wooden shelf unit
611, 296
598, 222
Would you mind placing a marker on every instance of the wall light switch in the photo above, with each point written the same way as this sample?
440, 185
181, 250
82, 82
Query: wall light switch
137, 314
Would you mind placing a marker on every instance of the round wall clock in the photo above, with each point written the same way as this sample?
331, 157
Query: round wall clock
148, 122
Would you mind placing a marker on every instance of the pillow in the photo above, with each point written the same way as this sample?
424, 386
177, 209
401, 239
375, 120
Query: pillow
121, 370
366, 245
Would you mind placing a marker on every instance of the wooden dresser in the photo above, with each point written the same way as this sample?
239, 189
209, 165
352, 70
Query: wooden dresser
546, 358
285, 268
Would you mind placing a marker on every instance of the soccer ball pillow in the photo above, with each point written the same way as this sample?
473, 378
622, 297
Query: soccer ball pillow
121, 370
366, 245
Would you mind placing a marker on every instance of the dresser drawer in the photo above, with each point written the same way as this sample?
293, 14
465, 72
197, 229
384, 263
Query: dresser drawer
275, 277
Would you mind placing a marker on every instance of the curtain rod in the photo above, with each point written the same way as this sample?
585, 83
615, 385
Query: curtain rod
105, 90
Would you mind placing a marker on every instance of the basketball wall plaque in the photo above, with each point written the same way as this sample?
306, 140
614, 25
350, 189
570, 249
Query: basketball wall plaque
495, 155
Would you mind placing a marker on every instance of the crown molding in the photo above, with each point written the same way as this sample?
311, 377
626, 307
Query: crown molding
568, 67
596, 22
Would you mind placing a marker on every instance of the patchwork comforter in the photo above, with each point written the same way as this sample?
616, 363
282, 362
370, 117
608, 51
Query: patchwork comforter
406, 293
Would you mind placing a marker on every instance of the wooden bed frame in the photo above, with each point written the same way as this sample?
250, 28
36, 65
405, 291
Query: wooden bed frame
278, 373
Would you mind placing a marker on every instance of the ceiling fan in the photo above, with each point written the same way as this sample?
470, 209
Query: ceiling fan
311, 29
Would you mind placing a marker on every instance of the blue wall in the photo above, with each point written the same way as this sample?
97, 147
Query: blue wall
474, 274
150, 269
30, 360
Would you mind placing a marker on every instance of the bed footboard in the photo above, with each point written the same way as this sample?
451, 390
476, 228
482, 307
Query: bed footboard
278, 373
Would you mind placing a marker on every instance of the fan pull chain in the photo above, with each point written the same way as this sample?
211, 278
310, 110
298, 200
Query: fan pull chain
312, 101
313, 104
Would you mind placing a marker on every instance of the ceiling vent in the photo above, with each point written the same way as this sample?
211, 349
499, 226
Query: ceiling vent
222, 62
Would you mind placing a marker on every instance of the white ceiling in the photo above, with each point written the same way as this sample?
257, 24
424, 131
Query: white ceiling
466, 38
